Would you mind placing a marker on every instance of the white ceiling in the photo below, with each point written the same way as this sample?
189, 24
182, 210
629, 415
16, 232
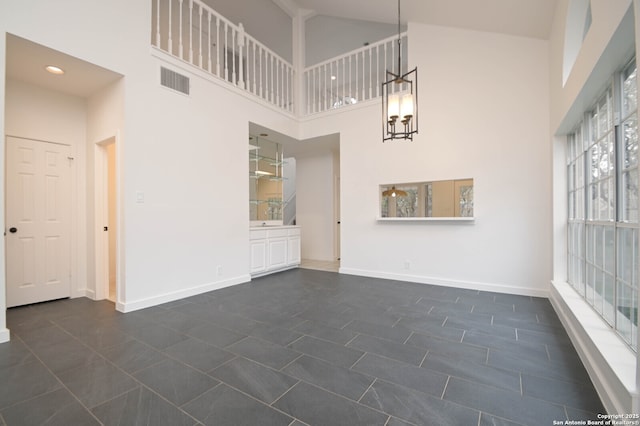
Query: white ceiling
526, 18
26, 62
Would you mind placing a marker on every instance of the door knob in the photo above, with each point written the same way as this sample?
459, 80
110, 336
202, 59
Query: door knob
13, 230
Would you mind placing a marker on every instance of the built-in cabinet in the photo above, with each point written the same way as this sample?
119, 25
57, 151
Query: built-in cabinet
274, 249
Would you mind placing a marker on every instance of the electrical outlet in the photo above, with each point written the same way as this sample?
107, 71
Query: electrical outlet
407, 264
219, 270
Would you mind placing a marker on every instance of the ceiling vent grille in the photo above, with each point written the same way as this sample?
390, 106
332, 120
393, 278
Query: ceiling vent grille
173, 80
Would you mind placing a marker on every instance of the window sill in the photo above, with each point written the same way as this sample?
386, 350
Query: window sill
426, 219
610, 362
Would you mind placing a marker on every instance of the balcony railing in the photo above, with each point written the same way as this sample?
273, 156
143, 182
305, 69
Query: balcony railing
195, 33
353, 77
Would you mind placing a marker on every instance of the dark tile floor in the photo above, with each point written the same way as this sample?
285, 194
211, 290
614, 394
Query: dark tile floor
299, 347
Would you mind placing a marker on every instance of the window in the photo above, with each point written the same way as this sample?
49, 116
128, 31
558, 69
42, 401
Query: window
602, 175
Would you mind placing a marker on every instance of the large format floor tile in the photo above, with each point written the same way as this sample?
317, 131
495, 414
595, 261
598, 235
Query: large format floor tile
302, 347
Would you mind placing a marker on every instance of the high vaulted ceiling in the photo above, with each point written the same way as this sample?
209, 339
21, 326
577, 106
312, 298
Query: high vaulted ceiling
526, 18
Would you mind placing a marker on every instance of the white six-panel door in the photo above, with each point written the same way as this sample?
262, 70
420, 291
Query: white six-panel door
37, 221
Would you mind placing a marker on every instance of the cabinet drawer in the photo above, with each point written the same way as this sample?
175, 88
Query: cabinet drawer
258, 234
294, 231
277, 233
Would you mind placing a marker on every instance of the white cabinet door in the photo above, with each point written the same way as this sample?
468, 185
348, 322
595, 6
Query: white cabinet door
293, 250
258, 256
277, 253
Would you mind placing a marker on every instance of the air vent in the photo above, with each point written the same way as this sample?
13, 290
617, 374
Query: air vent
173, 80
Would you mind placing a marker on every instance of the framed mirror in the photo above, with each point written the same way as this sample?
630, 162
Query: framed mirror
266, 162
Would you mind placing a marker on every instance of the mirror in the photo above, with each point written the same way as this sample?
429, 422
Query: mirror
266, 164
444, 198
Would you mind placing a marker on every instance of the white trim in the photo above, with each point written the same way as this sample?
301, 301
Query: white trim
90, 294
273, 271
101, 238
426, 219
4, 335
611, 364
101, 217
443, 282
180, 294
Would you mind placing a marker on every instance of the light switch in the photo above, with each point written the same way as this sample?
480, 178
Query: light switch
139, 197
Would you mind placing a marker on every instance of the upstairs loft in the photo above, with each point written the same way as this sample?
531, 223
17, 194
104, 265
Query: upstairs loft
194, 33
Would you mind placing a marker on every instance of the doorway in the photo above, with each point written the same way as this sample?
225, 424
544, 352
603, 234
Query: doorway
38, 220
106, 231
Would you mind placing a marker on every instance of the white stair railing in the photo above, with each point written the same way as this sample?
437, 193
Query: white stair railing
193, 32
353, 77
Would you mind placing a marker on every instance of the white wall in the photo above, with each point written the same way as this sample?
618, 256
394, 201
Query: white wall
315, 204
483, 115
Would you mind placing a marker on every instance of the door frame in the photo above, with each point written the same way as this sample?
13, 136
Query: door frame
101, 217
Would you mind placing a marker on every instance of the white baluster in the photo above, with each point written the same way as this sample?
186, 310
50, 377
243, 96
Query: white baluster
260, 75
225, 51
158, 23
271, 94
312, 83
191, 31
331, 84
319, 88
341, 77
350, 75
290, 89
241, 45
253, 65
377, 71
170, 44
281, 91
363, 81
209, 41
234, 43
217, 47
310, 91
370, 73
200, 37
327, 90
180, 47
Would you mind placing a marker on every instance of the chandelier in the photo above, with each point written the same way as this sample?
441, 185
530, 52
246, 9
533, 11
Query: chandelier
400, 100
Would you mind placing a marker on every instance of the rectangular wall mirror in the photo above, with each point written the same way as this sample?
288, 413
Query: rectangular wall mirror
436, 199
266, 162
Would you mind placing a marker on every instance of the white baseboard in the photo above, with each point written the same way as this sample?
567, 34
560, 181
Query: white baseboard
611, 364
91, 294
471, 285
4, 335
180, 294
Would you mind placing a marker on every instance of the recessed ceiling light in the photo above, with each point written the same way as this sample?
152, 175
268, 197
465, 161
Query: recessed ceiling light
333, 77
54, 70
